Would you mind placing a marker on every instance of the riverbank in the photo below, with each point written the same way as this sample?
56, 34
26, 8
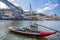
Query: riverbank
29, 19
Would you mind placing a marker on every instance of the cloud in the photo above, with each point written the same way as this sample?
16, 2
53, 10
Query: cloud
50, 6
47, 7
40, 10
26, 10
2, 5
16, 4
11, 0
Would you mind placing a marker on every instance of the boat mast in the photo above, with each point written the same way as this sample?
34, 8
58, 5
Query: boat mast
30, 13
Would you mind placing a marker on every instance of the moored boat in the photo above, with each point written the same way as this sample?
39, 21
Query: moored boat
30, 32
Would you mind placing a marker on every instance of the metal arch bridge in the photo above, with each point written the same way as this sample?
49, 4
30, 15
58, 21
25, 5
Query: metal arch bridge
13, 8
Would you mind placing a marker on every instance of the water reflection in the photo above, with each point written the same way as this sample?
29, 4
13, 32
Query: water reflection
17, 36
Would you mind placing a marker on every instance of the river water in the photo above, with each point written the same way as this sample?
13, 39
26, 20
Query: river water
6, 34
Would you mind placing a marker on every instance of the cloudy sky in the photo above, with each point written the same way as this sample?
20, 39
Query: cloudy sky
42, 6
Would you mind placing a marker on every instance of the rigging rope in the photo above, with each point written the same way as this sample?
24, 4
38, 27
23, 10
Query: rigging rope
49, 28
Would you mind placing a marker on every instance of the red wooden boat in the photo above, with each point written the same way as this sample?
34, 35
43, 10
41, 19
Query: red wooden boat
30, 32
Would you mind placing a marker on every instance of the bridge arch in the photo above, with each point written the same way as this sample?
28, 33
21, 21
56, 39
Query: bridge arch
13, 8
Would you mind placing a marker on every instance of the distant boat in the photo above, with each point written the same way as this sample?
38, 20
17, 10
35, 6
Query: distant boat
30, 32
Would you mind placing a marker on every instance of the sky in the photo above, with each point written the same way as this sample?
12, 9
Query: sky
41, 6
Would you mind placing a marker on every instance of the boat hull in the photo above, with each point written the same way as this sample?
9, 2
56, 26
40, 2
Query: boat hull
22, 32
29, 32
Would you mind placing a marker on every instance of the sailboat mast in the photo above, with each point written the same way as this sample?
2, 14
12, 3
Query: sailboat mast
30, 12
30, 9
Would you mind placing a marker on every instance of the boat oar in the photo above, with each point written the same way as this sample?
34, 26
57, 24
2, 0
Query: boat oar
49, 28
